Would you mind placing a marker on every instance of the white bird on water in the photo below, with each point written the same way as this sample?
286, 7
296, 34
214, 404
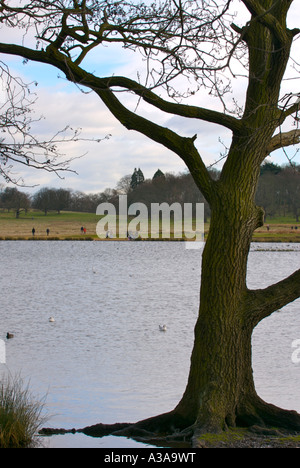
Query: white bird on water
51, 319
163, 327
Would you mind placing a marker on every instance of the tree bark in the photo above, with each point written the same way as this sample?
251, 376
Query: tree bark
221, 390
221, 371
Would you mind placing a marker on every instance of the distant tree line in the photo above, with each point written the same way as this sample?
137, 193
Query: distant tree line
278, 193
279, 190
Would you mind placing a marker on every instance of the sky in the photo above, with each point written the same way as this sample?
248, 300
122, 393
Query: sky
101, 165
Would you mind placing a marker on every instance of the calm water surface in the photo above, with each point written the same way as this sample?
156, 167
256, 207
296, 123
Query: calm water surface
104, 358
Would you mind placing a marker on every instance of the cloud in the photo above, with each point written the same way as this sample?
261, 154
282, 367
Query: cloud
102, 164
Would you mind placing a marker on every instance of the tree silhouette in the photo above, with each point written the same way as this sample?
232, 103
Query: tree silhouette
137, 178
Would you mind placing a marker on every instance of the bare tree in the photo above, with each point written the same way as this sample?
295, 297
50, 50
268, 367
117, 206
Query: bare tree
201, 41
18, 144
11, 198
123, 185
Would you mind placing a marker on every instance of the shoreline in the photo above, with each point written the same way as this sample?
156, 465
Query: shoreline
266, 239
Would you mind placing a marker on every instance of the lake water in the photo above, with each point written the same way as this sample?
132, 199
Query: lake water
104, 358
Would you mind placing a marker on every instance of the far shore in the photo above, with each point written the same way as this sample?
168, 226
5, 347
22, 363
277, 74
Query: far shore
76, 226
270, 239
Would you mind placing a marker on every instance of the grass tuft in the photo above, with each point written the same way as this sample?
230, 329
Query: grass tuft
20, 415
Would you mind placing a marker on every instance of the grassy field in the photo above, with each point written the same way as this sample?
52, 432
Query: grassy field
281, 229
61, 226
67, 226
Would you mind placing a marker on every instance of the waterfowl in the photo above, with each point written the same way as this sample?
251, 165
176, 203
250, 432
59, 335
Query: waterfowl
163, 327
9, 335
51, 319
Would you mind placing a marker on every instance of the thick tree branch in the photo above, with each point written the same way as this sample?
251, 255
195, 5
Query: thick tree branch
183, 147
35, 55
270, 18
263, 302
150, 97
282, 140
183, 110
293, 109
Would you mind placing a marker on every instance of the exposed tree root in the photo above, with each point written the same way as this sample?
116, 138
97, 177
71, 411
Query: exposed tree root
271, 425
166, 429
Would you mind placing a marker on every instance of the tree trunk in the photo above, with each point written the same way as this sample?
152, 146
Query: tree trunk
221, 374
220, 391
